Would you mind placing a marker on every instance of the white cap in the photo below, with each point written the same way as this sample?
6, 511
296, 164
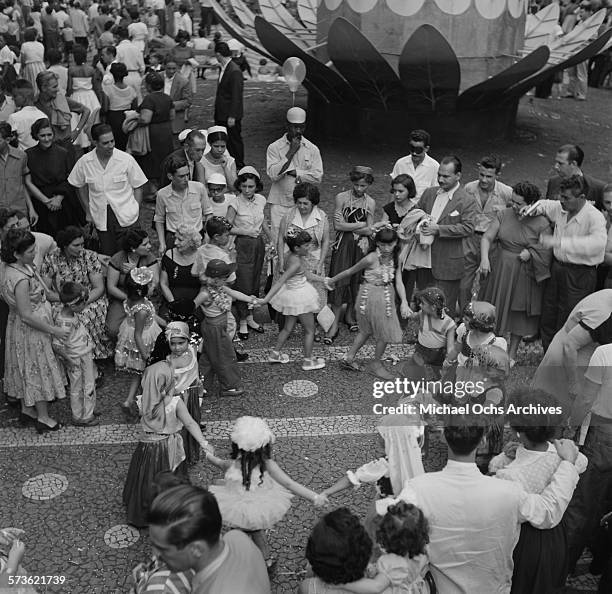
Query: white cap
249, 169
234, 45
183, 134
216, 178
296, 115
214, 129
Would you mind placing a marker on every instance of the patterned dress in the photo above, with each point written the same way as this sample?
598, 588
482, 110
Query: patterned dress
32, 372
61, 269
127, 355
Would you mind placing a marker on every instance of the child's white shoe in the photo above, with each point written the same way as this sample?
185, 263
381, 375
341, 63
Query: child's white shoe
313, 363
278, 357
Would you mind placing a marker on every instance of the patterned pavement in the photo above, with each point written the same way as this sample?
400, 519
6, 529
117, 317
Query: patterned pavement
64, 489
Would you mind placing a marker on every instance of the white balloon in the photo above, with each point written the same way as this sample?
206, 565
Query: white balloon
405, 7
294, 71
490, 9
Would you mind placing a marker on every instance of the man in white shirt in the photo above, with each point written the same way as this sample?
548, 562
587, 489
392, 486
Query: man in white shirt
21, 121
475, 520
109, 183
491, 196
108, 56
131, 56
418, 164
290, 160
579, 244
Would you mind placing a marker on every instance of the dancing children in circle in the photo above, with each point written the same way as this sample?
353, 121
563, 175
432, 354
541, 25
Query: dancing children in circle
138, 331
375, 305
257, 493
160, 448
294, 297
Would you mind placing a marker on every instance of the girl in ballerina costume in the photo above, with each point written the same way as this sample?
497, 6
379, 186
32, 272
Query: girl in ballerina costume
138, 331
375, 305
160, 448
256, 493
294, 297
182, 356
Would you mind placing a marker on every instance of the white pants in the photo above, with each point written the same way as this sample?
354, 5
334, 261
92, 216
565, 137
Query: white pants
578, 80
277, 212
82, 379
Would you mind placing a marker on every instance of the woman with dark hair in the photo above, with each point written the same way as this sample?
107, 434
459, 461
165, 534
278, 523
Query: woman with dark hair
521, 266
156, 112
338, 551
50, 165
32, 373
135, 253
182, 54
246, 215
353, 219
80, 90
218, 160
72, 262
540, 556
116, 99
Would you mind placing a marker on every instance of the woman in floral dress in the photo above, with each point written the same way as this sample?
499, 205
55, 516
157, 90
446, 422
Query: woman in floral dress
72, 262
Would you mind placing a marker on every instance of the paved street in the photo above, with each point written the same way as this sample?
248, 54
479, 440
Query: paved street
73, 515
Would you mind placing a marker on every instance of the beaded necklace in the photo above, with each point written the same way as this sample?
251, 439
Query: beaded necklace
388, 274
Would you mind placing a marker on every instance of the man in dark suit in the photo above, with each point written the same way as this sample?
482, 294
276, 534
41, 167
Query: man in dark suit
568, 162
179, 89
453, 216
228, 102
192, 150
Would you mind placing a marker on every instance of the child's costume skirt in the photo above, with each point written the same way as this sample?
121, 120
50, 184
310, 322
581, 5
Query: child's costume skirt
376, 314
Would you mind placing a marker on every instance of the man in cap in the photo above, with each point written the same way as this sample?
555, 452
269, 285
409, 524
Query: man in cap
290, 160
228, 102
194, 145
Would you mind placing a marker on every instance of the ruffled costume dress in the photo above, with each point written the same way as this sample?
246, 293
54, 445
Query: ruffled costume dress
127, 355
258, 508
375, 304
296, 297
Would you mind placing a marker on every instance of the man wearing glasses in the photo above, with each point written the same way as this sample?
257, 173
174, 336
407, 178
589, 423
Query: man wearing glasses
418, 164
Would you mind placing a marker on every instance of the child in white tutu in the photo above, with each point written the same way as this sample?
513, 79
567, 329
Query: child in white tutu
256, 493
294, 297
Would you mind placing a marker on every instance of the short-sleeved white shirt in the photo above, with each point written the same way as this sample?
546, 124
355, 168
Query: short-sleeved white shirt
113, 186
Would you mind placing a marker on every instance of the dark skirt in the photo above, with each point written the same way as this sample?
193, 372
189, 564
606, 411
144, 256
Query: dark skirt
191, 398
347, 254
160, 135
148, 460
540, 560
115, 120
250, 252
218, 356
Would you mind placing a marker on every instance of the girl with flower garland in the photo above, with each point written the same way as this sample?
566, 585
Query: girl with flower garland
138, 331
375, 305
294, 297
256, 493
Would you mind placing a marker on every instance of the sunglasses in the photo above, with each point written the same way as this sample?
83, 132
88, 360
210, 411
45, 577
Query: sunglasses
416, 150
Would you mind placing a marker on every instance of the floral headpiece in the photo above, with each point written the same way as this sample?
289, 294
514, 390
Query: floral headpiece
434, 296
293, 232
142, 275
481, 315
251, 434
491, 356
82, 296
223, 220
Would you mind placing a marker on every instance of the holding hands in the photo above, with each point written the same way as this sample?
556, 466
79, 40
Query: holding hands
405, 310
320, 500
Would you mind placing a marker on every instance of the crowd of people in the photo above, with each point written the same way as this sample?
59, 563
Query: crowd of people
479, 267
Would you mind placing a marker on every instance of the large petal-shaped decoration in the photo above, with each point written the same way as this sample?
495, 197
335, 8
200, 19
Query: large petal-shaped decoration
593, 48
429, 71
307, 10
237, 31
276, 14
329, 84
487, 93
362, 65
244, 13
540, 26
583, 32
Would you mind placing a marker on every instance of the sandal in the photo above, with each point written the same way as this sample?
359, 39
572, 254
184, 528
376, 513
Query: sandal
350, 365
313, 363
353, 327
277, 357
256, 327
329, 340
